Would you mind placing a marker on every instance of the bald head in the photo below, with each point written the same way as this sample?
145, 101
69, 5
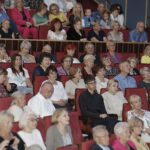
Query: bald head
124, 67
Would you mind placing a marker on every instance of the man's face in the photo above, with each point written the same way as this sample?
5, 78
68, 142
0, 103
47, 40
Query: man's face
47, 91
140, 27
91, 85
125, 67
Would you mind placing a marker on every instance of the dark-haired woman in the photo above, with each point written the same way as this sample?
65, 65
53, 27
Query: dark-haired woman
19, 75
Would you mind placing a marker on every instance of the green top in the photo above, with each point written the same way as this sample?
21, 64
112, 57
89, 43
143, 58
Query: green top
40, 19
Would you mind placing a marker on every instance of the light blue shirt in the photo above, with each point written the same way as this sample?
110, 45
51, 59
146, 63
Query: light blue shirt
3, 16
125, 82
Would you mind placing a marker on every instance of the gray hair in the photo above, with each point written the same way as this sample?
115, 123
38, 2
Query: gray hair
98, 128
88, 56
44, 83
15, 95
25, 43
120, 128
144, 69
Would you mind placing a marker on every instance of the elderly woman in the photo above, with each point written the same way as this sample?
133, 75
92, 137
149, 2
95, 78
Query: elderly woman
59, 99
3, 54
145, 59
144, 115
6, 124
114, 99
29, 133
23, 20
133, 64
56, 31
19, 75
122, 133
25, 48
17, 105
145, 72
66, 64
136, 127
115, 34
101, 81
59, 134
75, 82
88, 61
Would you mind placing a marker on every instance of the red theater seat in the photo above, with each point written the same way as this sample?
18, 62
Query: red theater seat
87, 145
43, 30
59, 56
126, 108
15, 127
138, 79
103, 90
69, 147
5, 103
5, 65
64, 79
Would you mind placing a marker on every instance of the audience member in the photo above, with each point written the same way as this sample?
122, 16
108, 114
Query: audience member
145, 73
92, 106
101, 138
40, 18
34, 4
59, 134
56, 31
23, 20
40, 103
4, 58
66, 64
19, 75
70, 50
123, 141
133, 66
144, 115
125, 81
145, 59
105, 22
101, 81
76, 32
138, 34
96, 34
75, 82
136, 127
115, 34
88, 65
88, 20
6, 31
114, 99
29, 134
25, 48
6, 124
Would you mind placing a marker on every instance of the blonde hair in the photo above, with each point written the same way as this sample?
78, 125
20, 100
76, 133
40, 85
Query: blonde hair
57, 114
146, 49
25, 43
114, 22
73, 70
133, 97
110, 82
81, 13
15, 95
109, 42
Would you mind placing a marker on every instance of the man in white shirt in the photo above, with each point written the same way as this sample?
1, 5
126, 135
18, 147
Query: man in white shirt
40, 103
101, 138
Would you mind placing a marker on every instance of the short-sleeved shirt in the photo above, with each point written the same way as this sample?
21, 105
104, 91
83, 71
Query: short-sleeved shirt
40, 19
6, 34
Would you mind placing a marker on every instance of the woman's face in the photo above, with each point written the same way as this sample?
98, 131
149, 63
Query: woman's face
67, 63
111, 47
115, 13
137, 130
21, 101
64, 118
43, 11
136, 104
54, 10
6, 24
32, 122
52, 75
148, 52
78, 74
106, 16
133, 63
89, 63
113, 87
101, 73
77, 8
2, 52
78, 25
116, 26
107, 61
57, 26
25, 50
8, 124
18, 61
46, 62
19, 4
125, 136
71, 51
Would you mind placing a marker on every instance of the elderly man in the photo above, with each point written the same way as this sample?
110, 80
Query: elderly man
40, 103
138, 34
125, 81
101, 138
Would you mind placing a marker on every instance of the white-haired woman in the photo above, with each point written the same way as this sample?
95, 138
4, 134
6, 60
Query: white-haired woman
59, 134
6, 124
122, 141
17, 106
29, 133
25, 48
144, 115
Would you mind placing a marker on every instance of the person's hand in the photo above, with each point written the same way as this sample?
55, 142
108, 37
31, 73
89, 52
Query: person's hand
4, 144
103, 115
60, 102
28, 24
83, 40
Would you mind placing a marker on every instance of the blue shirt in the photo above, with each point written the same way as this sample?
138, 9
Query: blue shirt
3, 16
135, 36
87, 21
96, 16
125, 82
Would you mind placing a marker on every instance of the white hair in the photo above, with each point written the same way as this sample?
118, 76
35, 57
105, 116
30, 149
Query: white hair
25, 43
15, 95
98, 128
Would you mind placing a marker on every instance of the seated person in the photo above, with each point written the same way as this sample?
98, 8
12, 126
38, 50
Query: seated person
23, 20
59, 99
136, 128
96, 34
40, 103
56, 32
101, 81
6, 31
76, 32
114, 99
138, 34
145, 73
124, 80
4, 58
25, 48
92, 106
115, 34
144, 115
88, 20
40, 18
29, 132
66, 64
145, 59
19, 75
133, 66
59, 134
75, 82
122, 133
101, 138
